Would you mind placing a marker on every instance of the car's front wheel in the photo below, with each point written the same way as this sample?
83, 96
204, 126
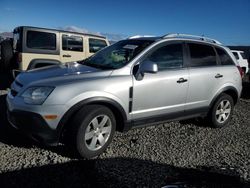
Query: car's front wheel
94, 129
221, 111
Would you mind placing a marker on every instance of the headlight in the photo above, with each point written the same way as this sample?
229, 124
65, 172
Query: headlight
36, 95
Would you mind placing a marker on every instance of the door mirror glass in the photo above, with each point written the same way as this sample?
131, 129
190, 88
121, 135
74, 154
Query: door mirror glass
148, 67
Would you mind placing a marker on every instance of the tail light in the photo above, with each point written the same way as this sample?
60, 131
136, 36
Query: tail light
241, 71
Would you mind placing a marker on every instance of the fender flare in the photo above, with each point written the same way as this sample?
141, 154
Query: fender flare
93, 100
35, 62
224, 90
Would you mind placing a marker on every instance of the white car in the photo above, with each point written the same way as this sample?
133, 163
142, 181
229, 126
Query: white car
241, 58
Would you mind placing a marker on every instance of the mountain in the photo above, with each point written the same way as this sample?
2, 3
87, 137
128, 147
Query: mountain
6, 35
114, 37
110, 36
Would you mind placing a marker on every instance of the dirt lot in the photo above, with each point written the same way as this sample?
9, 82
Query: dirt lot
186, 152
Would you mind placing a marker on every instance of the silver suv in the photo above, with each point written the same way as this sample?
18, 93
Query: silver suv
132, 83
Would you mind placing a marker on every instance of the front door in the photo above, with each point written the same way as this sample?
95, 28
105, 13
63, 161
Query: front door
162, 93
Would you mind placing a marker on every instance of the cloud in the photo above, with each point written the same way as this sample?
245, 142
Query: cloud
77, 29
9, 9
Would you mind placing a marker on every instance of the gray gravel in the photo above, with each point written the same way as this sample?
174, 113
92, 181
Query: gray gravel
188, 152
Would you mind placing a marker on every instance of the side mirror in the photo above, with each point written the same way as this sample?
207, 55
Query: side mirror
148, 67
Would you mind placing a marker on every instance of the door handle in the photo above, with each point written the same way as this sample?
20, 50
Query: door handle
218, 76
182, 80
66, 55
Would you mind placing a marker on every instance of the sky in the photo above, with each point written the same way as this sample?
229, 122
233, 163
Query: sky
225, 20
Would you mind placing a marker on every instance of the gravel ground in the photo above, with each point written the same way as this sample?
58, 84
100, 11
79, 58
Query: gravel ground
186, 152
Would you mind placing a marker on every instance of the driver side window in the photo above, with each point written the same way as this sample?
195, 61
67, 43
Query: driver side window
167, 57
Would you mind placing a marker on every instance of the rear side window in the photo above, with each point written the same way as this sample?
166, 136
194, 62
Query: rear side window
243, 55
72, 43
202, 55
95, 45
225, 59
236, 55
168, 57
41, 40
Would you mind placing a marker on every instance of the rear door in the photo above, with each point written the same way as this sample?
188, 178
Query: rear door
72, 47
229, 70
205, 76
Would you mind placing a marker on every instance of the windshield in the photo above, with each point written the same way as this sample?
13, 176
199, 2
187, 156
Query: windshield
117, 55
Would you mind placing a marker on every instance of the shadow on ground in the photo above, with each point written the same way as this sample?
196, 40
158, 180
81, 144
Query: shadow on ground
246, 90
7, 134
5, 80
116, 172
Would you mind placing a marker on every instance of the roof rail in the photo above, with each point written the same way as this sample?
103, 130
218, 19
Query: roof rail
139, 36
187, 36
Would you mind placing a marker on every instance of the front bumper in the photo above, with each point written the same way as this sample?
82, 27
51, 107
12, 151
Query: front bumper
34, 126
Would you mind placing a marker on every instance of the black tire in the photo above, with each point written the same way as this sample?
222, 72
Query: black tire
83, 120
6, 54
213, 118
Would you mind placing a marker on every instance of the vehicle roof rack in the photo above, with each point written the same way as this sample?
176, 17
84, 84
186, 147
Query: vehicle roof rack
140, 36
187, 36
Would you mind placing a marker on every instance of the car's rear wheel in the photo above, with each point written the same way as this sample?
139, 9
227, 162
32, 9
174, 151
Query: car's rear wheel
94, 128
221, 111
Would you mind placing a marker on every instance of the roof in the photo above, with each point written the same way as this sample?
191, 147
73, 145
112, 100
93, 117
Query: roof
237, 51
58, 30
145, 38
185, 37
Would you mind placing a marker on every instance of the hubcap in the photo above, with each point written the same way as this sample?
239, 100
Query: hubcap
223, 111
98, 132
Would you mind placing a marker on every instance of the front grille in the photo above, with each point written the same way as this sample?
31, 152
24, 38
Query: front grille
13, 92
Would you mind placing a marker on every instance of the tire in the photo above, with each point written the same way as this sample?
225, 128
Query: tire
6, 54
89, 138
221, 112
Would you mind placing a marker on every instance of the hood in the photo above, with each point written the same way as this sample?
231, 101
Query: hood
55, 72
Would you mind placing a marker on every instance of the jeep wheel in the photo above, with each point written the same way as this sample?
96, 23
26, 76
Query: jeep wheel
6, 54
221, 111
94, 129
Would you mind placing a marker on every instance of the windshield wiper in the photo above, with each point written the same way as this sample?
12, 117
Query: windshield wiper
98, 66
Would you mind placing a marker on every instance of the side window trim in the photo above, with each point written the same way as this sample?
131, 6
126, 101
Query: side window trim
67, 36
218, 60
26, 49
184, 58
219, 57
95, 39
188, 53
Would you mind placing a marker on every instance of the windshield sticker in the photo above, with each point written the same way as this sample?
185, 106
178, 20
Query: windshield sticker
130, 46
